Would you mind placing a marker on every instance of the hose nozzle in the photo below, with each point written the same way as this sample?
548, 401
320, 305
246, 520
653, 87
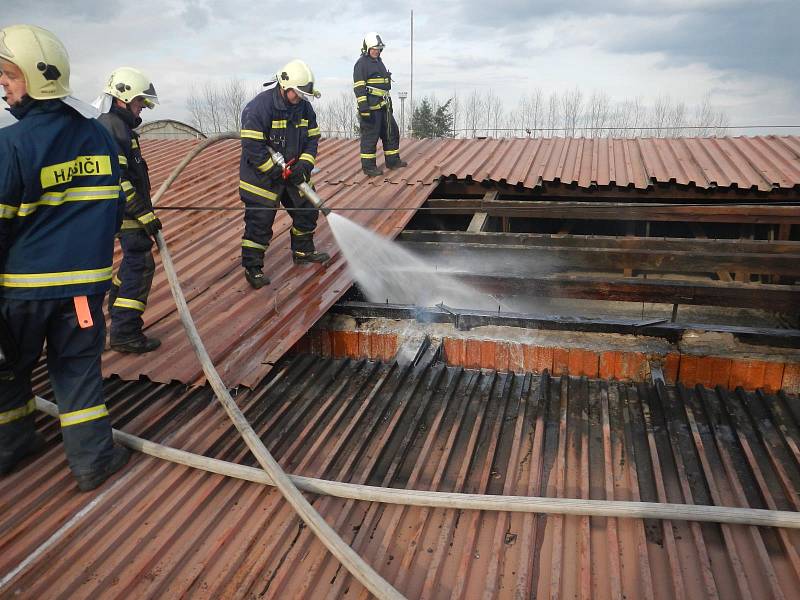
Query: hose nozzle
305, 189
313, 197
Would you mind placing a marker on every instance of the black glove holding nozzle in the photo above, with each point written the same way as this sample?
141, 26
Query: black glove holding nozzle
300, 172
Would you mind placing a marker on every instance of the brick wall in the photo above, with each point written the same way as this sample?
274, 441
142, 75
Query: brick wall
474, 353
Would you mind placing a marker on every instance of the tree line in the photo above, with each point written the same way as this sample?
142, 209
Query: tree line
215, 108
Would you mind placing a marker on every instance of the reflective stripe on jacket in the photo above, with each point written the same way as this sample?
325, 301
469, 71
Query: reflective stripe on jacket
371, 83
290, 129
60, 204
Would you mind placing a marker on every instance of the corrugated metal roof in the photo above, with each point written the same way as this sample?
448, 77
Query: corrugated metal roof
164, 531
760, 163
246, 331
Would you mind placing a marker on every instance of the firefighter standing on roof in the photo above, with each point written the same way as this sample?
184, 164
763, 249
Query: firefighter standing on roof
60, 206
283, 119
371, 85
129, 91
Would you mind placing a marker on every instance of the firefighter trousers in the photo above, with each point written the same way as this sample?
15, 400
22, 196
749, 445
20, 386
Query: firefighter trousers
131, 286
73, 364
258, 222
379, 124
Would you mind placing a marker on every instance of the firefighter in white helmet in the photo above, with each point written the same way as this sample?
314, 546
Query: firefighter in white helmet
283, 119
60, 206
127, 92
371, 85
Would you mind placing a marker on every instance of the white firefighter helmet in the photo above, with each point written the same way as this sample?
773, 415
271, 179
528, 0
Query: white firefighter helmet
40, 56
127, 83
372, 40
297, 75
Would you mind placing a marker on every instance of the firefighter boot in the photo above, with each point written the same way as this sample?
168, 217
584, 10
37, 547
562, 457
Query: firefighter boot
89, 481
255, 277
397, 165
139, 345
372, 171
9, 460
310, 257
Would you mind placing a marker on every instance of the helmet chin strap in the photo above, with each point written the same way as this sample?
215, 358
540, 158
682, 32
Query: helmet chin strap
26, 99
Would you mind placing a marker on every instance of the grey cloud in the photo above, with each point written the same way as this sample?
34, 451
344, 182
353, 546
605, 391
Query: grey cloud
753, 40
195, 15
508, 13
753, 37
25, 11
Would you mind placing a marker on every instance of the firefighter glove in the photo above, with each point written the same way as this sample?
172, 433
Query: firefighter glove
300, 173
150, 223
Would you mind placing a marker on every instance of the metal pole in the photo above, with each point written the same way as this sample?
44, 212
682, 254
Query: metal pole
411, 101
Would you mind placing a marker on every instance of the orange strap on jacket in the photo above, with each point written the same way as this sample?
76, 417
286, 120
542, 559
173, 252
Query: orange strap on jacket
82, 312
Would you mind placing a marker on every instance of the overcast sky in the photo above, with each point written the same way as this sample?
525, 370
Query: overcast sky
746, 54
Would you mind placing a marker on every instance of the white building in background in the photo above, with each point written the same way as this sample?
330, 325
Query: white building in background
167, 128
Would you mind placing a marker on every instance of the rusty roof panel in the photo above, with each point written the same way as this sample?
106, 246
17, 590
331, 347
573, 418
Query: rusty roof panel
162, 530
761, 163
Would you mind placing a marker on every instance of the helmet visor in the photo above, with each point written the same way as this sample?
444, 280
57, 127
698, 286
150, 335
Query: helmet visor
149, 96
307, 91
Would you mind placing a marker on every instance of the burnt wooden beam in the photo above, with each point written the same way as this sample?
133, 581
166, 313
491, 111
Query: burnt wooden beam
479, 220
617, 211
467, 319
697, 231
782, 298
660, 191
524, 260
601, 241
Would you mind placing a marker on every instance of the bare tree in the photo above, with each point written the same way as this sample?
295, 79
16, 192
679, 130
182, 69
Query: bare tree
215, 108
455, 110
204, 106
338, 117
676, 119
526, 118
721, 123
494, 111
660, 116
553, 114
626, 118
709, 120
572, 109
535, 115
234, 97
472, 113
598, 114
